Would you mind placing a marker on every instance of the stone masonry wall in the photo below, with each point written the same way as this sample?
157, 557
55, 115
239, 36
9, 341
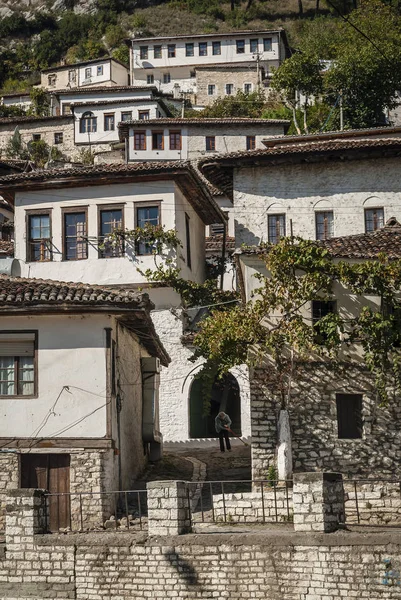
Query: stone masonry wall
9, 480
238, 76
314, 430
46, 130
250, 507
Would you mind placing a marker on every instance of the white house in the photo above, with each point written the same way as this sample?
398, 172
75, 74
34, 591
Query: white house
75, 363
104, 71
171, 63
17, 99
62, 216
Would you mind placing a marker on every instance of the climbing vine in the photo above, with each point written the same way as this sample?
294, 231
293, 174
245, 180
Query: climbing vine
276, 326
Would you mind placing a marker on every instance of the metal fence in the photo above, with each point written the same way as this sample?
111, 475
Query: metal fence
372, 502
96, 511
245, 501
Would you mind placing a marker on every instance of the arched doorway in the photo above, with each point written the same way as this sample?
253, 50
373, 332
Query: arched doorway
225, 397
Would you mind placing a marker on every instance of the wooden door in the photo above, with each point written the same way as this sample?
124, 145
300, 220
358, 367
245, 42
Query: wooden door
52, 473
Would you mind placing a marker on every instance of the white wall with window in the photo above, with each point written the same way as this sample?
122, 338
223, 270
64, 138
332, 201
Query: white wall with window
105, 118
61, 234
321, 200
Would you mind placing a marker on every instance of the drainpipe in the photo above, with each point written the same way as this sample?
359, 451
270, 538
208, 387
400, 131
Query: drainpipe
131, 63
223, 255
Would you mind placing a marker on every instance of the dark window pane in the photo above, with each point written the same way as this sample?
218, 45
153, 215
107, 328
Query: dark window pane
75, 240
216, 48
374, 219
276, 228
110, 220
349, 416
324, 225
146, 214
39, 243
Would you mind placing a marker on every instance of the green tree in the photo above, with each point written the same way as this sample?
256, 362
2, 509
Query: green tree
299, 79
40, 106
241, 105
15, 147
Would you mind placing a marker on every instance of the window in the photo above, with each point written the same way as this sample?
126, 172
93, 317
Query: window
171, 50
146, 214
216, 229
143, 115
324, 225
126, 115
72, 76
374, 219
39, 237
67, 109
157, 140
51, 80
150, 79
17, 364
166, 78
99, 70
254, 46
248, 88
75, 236
250, 142
320, 309
157, 51
192, 74
276, 228
211, 89
267, 44
240, 46
88, 72
210, 143
202, 48
188, 240
189, 49
88, 123
216, 48
58, 137
143, 52
109, 122
349, 416
110, 219
36, 137
229, 89
175, 140
139, 140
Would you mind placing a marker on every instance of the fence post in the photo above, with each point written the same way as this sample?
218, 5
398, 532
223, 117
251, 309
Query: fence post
318, 500
168, 508
26, 516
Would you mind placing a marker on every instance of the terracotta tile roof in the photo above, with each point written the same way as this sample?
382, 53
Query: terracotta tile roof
384, 130
25, 292
105, 88
214, 244
209, 35
33, 119
218, 168
92, 61
368, 245
6, 248
183, 172
14, 164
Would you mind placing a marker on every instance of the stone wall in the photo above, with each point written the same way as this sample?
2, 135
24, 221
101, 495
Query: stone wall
251, 507
314, 430
9, 479
219, 76
46, 129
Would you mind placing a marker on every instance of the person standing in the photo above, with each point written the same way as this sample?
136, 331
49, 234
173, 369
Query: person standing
222, 423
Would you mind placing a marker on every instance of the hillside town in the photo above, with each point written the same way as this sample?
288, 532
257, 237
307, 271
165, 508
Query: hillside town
200, 299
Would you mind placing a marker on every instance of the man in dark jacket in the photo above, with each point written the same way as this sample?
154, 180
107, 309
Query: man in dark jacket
222, 423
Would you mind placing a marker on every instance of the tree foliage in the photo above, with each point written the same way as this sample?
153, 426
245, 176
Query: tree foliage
239, 105
274, 325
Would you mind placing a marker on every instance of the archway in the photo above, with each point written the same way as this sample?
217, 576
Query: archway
225, 397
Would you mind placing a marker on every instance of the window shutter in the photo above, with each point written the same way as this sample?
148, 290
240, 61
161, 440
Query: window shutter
17, 344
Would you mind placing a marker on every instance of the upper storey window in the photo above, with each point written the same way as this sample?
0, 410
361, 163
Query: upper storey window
51, 80
202, 48
240, 46
88, 72
143, 52
216, 48
88, 123
324, 225
39, 237
267, 44
157, 51
171, 50
75, 235
253, 45
374, 219
189, 49
99, 70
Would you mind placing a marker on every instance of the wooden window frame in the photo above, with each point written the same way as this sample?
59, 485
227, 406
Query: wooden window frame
373, 208
28, 214
137, 205
69, 210
172, 133
35, 332
143, 112
320, 212
126, 113
208, 139
58, 133
144, 138
211, 85
251, 142
276, 216
100, 209
157, 132
106, 116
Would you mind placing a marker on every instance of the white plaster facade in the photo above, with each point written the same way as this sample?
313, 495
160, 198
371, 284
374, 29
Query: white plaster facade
102, 71
171, 67
21, 100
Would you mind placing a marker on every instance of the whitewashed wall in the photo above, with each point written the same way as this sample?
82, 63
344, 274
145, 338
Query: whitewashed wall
299, 191
166, 153
72, 353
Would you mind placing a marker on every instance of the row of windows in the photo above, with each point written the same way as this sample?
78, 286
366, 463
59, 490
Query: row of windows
324, 224
175, 141
228, 89
88, 121
72, 75
203, 48
58, 137
75, 237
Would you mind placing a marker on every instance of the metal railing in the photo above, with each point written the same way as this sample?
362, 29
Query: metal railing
374, 502
96, 511
240, 501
